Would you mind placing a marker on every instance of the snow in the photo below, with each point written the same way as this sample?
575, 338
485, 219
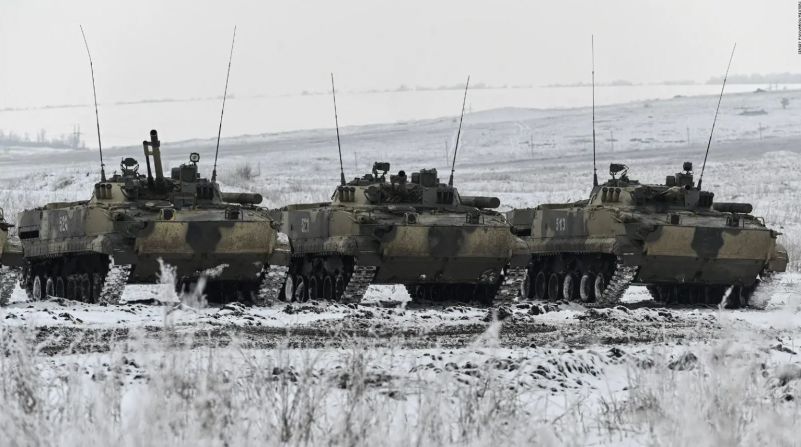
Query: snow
392, 372
183, 119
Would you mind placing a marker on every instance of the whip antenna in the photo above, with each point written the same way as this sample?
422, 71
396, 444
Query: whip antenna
336, 121
594, 169
225, 94
459, 132
709, 143
97, 115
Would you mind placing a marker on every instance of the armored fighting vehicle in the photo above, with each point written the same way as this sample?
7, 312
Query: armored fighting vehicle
671, 238
10, 261
89, 250
412, 231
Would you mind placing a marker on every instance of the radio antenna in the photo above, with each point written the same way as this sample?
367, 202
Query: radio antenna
594, 168
336, 121
709, 143
97, 115
459, 132
222, 112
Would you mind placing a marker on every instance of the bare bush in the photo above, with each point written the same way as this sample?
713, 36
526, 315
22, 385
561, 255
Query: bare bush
245, 172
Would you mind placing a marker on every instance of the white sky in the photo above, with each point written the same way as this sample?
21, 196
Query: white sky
178, 49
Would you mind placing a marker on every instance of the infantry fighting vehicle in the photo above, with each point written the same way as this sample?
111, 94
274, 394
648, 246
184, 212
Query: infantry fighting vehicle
89, 250
10, 261
672, 238
412, 231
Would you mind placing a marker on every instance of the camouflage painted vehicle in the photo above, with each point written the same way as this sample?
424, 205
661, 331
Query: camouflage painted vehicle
89, 250
417, 232
10, 261
671, 238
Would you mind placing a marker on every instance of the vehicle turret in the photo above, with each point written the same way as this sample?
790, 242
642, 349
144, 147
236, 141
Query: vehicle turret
422, 189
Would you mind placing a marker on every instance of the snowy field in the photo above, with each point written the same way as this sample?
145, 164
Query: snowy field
158, 372
198, 117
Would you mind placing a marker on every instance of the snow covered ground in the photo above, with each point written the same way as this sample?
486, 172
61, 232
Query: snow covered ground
198, 117
388, 372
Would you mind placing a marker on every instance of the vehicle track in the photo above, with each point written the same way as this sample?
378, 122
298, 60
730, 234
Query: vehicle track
592, 328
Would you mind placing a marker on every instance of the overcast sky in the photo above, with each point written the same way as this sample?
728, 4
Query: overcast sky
178, 49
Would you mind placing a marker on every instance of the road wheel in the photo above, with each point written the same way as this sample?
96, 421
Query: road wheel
60, 287
97, 286
72, 288
84, 288
569, 289
586, 287
328, 288
37, 291
300, 293
526, 288
737, 298
50, 287
600, 285
553, 287
540, 285
745, 295
313, 286
289, 289
339, 286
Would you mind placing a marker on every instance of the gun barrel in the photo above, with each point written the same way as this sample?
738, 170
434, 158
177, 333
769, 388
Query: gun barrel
481, 201
242, 198
155, 147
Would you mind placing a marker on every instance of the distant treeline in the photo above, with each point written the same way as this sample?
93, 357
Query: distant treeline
615, 83
756, 78
64, 141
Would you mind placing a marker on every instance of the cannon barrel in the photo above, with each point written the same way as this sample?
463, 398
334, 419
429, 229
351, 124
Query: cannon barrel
242, 198
155, 147
481, 201
732, 207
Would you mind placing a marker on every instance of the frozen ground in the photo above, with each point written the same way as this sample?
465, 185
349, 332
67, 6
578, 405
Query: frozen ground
389, 372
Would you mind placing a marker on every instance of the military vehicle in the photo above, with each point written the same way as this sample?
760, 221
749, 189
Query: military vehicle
413, 231
10, 261
88, 250
672, 238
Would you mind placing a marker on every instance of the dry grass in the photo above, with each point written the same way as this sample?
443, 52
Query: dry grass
232, 396
148, 392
